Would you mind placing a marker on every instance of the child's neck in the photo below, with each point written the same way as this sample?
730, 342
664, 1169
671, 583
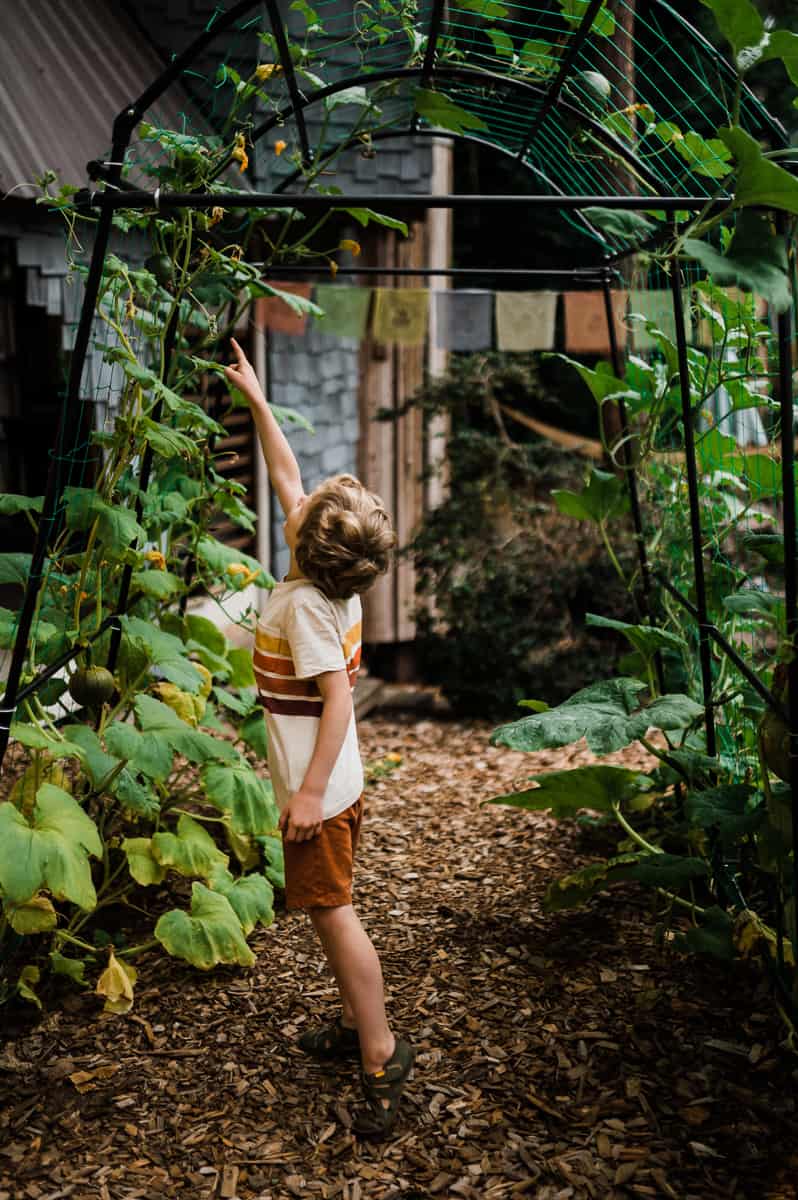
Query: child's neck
294, 572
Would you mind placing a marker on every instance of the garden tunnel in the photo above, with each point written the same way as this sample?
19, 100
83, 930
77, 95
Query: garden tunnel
591, 118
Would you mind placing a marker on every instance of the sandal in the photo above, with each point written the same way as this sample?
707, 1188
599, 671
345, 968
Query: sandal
382, 1091
330, 1041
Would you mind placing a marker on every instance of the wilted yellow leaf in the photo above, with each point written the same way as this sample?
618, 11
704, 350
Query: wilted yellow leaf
116, 984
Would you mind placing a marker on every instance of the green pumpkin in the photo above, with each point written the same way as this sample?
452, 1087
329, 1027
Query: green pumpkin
92, 687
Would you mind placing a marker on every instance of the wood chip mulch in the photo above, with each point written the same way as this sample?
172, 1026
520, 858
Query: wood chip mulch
559, 1058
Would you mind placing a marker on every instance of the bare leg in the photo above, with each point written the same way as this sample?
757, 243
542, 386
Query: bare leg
357, 970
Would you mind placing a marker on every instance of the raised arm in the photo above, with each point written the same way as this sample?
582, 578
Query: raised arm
280, 459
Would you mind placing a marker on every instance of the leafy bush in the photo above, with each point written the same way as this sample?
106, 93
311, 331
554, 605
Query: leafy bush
506, 578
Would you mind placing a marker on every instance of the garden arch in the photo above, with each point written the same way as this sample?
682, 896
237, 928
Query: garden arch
541, 100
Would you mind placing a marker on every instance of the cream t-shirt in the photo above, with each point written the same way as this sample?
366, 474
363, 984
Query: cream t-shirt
300, 635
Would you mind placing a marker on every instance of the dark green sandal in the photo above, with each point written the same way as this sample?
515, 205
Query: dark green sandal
382, 1091
330, 1041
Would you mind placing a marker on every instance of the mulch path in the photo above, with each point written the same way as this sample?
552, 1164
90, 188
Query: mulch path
559, 1058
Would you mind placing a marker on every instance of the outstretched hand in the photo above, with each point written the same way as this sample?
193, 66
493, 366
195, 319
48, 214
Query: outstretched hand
241, 374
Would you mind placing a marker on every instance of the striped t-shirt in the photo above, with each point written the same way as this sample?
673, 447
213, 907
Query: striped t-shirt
300, 635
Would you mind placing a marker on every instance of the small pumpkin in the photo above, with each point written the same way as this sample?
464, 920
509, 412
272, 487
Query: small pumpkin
92, 687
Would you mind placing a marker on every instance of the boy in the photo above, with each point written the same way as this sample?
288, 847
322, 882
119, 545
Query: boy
307, 653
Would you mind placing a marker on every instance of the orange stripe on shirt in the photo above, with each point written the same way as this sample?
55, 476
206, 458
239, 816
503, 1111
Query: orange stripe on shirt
268, 664
352, 639
269, 644
289, 687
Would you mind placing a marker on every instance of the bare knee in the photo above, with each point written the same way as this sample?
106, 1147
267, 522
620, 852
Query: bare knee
326, 919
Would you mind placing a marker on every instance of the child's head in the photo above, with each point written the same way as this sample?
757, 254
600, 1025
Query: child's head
344, 540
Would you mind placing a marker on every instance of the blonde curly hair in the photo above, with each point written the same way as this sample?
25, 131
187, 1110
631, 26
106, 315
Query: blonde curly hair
345, 540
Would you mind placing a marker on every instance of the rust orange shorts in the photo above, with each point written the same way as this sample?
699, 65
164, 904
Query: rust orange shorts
318, 873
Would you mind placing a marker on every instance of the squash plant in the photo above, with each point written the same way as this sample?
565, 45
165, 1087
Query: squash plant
135, 781
711, 836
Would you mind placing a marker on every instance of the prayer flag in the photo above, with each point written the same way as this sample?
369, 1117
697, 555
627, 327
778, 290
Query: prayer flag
346, 309
655, 305
276, 315
525, 320
586, 330
463, 319
400, 315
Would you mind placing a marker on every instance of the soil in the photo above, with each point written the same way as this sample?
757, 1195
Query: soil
562, 1058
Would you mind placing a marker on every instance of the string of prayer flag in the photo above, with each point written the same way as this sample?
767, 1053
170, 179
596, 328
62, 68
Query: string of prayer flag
278, 316
586, 330
346, 309
525, 320
463, 319
400, 315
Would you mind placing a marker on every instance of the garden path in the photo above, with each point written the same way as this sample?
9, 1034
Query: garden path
560, 1058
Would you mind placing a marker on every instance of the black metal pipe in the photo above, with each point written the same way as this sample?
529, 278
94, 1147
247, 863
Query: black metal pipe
590, 274
384, 135
287, 63
309, 202
725, 645
787, 419
552, 95
704, 651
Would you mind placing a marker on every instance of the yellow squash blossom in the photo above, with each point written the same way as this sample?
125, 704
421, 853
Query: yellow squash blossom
279, 147
351, 245
239, 153
217, 214
266, 70
156, 558
333, 267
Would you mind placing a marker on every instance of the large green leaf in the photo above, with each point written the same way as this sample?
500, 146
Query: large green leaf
219, 558
274, 866
15, 568
783, 44
443, 113
160, 721
733, 809
251, 897
601, 381
565, 792
168, 442
191, 851
706, 156
211, 934
8, 630
237, 791
117, 526
574, 11
142, 863
653, 870
152, 756
714, 935
604, 498
10, 504
253, 732
242, 674
36, 738
631, 225
51, 851
36, 915
738, 21
756, 258
97, 762
603, 712
759, 182
164, 651
161, 585
646, 639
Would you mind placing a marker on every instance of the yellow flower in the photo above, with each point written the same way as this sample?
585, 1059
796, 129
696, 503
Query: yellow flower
350, 244
217, 214
236, 569
279, 147
266, 70
156, 558
333, 267
393, 758
239, 153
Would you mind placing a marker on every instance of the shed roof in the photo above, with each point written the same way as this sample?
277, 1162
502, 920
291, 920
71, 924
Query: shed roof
66, 69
